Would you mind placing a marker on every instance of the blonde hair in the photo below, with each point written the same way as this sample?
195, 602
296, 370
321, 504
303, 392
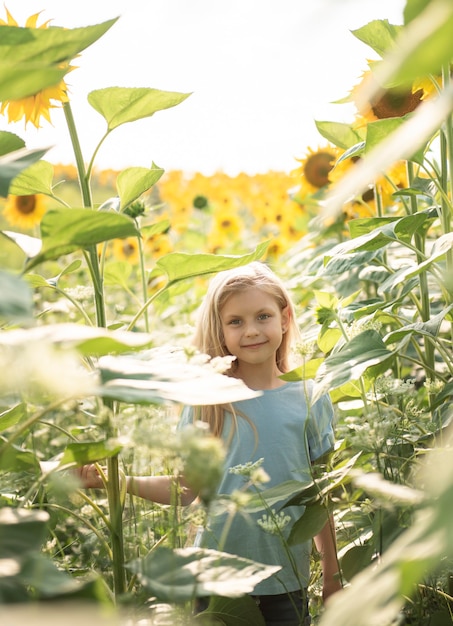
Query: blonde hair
209, 337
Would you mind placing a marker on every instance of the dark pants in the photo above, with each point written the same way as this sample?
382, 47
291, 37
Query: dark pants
286, 609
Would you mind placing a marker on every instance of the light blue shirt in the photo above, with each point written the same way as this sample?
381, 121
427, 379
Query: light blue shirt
290, 434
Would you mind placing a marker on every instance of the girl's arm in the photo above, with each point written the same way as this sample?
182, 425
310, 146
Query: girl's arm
326, 545
159, 489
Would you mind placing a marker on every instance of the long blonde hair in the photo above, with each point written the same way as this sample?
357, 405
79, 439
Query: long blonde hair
209, 338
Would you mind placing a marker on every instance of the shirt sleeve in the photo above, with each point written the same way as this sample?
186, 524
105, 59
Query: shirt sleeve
320, 433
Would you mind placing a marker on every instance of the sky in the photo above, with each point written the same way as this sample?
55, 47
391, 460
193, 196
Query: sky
260, 72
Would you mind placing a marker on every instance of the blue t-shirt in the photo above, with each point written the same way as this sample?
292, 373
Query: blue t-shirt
289, 435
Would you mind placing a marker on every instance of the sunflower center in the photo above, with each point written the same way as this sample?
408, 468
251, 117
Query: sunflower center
128, 249
395, 103
317, 169
26, 204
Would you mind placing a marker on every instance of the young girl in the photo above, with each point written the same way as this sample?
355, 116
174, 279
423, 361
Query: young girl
247, 313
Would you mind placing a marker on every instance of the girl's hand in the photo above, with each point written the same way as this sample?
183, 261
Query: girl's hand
89, 477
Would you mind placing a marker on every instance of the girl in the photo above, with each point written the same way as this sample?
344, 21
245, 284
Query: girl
247, 313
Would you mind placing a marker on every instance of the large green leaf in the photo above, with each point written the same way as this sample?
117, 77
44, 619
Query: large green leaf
310, 524
21, 531
120, 105
35, 179
179, 266
133, 181
380, 35
20, 81
89, 452
12, 416
47, 45
182, 574
379, 130
424, 46
163, 374
350, 362
340, 134
384, 231
14, 162
16, 459
87, 340
9, 142
430, 328
66, 230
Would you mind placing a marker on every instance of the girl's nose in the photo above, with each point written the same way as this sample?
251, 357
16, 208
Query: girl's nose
251, 329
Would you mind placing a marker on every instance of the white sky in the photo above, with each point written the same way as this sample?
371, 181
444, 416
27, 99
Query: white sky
260, 73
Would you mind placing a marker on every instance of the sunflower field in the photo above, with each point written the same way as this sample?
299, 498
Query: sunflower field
102, 273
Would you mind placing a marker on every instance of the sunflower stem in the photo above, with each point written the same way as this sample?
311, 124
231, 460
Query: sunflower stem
113, 482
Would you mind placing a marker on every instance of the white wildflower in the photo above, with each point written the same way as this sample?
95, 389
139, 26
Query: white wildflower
274, 523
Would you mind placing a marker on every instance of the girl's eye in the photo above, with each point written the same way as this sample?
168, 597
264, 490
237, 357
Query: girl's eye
234, 322
264, 316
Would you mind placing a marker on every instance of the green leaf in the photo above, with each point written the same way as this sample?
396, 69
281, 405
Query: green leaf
380, 35
413, 8
31, 56
15, 459
431, 328
89, 452
179, 266
66, 230
281, 493
120, 105
356, 559
21, 531
424, 50
341, 135
47, 45
310, 524
16, 302
164, 374
134, 181
21, 81
9, 142
350, 362
35, 179
180, 575
306, 371
87, 340
379, 130
12, 416
13, 163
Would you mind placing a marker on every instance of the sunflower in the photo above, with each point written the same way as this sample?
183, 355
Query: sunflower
24, 211
392, 102
394, 178
126, 249
32, 108
313, 172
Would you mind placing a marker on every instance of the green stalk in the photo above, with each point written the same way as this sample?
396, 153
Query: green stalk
419, 240
144, 282
113, 482
447, 166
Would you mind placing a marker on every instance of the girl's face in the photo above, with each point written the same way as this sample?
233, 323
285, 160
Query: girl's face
253, 325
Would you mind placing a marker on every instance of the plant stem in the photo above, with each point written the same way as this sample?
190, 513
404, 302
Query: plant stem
419, 241
91, 255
